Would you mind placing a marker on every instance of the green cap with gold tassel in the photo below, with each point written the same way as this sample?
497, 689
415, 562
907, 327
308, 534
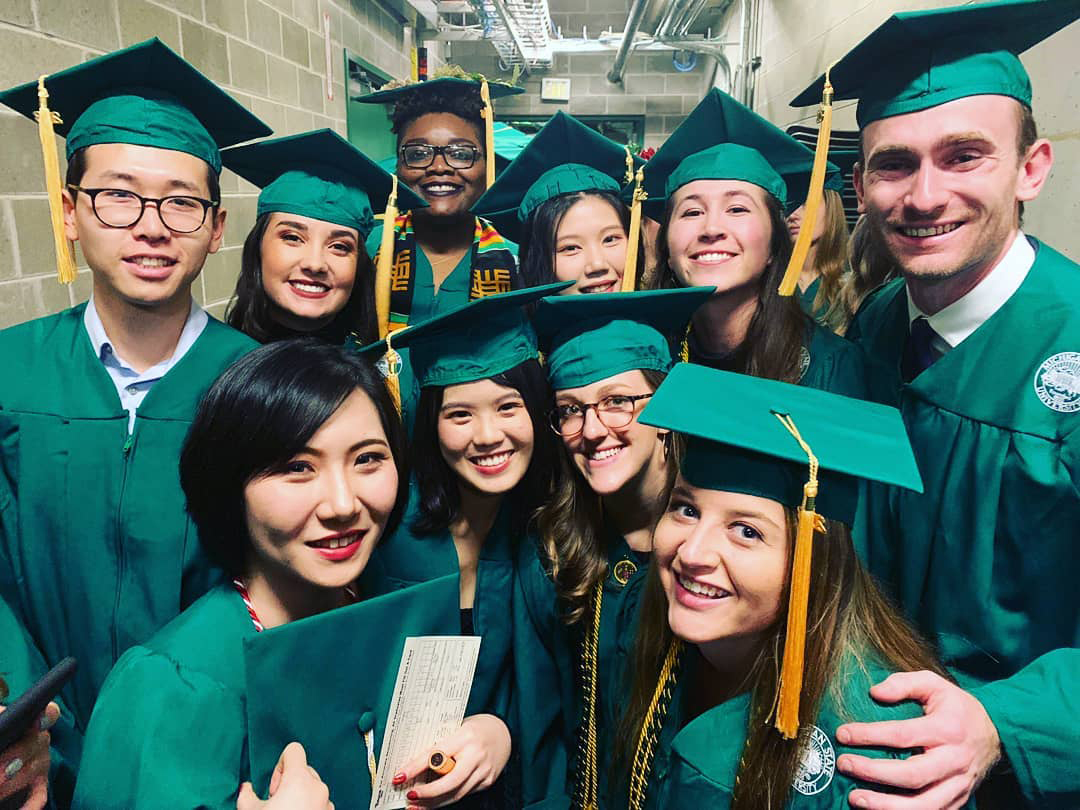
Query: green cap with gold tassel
46, 118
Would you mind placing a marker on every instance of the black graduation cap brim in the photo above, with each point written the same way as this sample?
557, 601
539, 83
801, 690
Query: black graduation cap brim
496, 89
151, 67
322, 153
900, 48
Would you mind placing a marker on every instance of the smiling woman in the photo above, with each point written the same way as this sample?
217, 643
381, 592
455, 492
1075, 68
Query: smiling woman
304, 270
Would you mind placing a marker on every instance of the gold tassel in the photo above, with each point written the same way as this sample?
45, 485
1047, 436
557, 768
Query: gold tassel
629, 279
393, 369
489, 132
46, 118
791, 671
813, 199
385, 262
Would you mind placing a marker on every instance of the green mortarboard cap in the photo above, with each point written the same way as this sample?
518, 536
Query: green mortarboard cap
586, 338
475, 341
541, 172
462, 84
320, 175
144, 95
722, 139
916, 60
737, 443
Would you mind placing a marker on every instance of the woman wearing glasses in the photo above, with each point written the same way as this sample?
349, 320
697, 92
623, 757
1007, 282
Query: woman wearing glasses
605, 354
304, 270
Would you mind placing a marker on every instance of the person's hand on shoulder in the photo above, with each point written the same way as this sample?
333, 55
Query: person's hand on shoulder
295, 785
24, 767
959, 745
479, 749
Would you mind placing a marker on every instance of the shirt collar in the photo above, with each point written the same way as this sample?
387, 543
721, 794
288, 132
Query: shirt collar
103, 348
959, 319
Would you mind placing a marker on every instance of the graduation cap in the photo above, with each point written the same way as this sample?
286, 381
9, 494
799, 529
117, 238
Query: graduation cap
916, 60
453, 79
320, 175
586, 338
722, 139
471, 342
541, 172
804, 448
144, 95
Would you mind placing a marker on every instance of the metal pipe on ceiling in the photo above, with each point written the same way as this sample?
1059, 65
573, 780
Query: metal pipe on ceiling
633, 25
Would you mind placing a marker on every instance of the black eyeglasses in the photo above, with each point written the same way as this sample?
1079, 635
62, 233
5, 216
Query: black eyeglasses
120, 208
615, 411
456, 155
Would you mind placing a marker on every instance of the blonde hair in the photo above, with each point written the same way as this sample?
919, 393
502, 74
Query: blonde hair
831, 264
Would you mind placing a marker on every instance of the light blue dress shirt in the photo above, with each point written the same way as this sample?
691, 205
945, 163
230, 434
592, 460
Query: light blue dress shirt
131, 385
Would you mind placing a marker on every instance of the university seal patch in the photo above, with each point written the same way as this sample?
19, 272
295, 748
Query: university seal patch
1057, 382
624, 571
818, 764
804, 361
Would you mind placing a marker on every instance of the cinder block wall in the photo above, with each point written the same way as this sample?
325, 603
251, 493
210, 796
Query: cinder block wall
802, 36
269, 54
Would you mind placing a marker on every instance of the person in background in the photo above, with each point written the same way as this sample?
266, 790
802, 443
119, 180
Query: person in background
871, 267
568, 218
722, 224
305, 270
605, 355
979, 338
827, 264
97, 399
750, 650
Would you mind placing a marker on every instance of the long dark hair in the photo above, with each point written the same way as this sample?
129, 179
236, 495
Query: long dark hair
436, 482
779, 329
251, 311
258, 414
848, 621
537, 246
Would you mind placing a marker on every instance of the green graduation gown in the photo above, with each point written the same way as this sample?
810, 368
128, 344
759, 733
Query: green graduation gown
96, 550
548, 653
209, 702
807, 296
697, 760
984, 562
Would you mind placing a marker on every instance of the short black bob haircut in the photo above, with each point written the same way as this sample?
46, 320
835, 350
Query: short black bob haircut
260, 413
464, 102
538, 237
437, 484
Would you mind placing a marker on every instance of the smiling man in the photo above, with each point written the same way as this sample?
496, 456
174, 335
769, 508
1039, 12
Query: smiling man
982, 337
96, 551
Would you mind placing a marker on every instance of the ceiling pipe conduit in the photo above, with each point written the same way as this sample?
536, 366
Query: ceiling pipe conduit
633, 25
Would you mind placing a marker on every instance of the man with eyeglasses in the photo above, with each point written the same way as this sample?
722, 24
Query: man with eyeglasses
444, 256
96, 551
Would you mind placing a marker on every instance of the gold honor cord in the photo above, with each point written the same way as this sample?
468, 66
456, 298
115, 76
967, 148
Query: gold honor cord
630, 268
814, 195
651, 727
587, 798
489, 132
386, 260
46, 118
791, 671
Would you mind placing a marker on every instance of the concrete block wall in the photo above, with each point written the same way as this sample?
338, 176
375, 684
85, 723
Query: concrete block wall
269, 54
802, 36
651, 87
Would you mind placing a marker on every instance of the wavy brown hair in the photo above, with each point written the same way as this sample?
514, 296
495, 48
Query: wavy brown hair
779, 328
571, 528
871, 266
831, 263
849, 622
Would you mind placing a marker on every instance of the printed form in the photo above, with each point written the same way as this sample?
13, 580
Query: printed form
432, 688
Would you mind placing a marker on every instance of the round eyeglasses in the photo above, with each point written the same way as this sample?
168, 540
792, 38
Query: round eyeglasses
456, 155
120, 208
615, 411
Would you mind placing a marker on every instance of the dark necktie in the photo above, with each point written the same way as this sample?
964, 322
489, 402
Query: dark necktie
919, 353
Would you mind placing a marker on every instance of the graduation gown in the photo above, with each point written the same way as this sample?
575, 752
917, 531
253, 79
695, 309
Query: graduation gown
984, 562
96, 550
697, 760
548, 653
209, 702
